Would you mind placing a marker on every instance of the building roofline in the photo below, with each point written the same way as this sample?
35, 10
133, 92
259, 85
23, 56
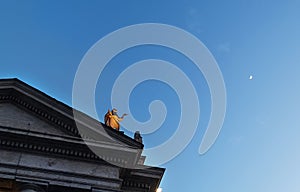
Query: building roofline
62, 108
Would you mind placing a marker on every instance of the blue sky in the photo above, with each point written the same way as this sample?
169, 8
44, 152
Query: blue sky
43, 42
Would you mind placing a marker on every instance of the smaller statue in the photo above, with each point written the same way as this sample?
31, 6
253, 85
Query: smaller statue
138, 137
112, 119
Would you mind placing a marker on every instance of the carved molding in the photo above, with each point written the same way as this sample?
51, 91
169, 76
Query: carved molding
79, 150
39, 112
135, 184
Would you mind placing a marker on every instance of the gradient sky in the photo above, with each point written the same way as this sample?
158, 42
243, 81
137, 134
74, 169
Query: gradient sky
43, 42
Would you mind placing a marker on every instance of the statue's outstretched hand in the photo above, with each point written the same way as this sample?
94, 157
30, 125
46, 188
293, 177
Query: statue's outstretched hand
125, 114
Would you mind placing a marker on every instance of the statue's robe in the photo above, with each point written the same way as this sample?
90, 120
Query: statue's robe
112, 120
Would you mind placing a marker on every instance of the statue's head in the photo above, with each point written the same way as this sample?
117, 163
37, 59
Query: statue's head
114, 111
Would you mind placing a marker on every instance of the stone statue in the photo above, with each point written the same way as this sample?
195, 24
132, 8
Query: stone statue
112, 119
138, 137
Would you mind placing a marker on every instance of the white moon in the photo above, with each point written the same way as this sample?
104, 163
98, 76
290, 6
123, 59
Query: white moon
250, 77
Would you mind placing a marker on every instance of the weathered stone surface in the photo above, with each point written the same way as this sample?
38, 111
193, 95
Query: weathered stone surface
68, 166
57, 171
13, 116
9, 157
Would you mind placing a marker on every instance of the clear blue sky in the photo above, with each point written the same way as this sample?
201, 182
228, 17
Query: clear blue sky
43, 42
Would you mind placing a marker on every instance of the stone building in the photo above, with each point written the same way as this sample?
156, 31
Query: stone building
41, 149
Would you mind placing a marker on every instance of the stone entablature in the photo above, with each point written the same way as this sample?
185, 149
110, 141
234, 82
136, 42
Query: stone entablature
41, 149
